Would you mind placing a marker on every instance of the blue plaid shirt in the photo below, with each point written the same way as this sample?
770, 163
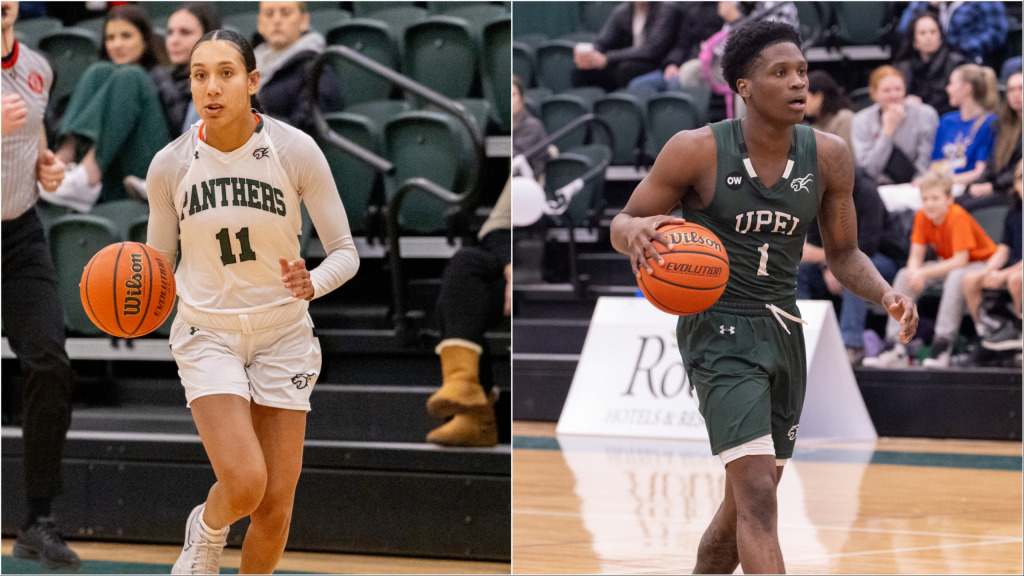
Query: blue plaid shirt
976, 29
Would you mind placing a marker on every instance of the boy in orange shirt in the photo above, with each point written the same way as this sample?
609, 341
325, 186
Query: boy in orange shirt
961, 244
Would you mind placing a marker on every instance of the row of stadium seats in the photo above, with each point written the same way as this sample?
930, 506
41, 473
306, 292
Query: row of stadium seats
641, 125
470, 43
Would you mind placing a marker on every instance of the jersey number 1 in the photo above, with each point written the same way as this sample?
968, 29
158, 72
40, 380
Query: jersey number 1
762, 269
226, 254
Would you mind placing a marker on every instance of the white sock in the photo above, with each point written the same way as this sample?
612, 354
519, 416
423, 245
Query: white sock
209, 530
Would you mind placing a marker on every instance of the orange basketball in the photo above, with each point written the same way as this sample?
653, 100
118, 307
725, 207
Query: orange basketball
127, 289
695, 271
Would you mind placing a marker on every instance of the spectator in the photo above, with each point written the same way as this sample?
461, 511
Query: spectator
828, 106
964, 138
926, 60
706, 69
962, 246
698, 21
184, 28
893, 138
285, 61
975, 29
115, 111
633, 41
476, 291
1002, 272
527, 131
995, 183
814, 280
31, 305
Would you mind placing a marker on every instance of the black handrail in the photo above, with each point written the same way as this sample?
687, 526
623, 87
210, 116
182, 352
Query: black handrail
461, 201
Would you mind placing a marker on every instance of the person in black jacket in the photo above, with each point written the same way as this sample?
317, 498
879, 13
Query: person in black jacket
285, 61
184, 28
814, 279
622, 52
926, 61
698, 21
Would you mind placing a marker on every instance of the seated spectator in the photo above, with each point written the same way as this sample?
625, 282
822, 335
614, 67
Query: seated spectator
893, 138
926, 60
1002, 272
964, 139
814, 280
828, 106
184, 28
476, 291
698, 21
706, 69
633, 41
115, 113
995, 183
962, 246
527, 131
975, 29
285, 61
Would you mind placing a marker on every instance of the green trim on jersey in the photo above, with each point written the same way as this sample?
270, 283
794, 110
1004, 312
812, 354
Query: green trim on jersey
761, 228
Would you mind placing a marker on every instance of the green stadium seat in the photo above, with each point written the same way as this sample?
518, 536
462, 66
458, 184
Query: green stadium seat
441, 54
496, 70
368, 9
555, 65
522, 62
355, 179
624, 115
122, 213
70, 51
372, 39
593, 15
991, 219
30, 31
861, 98
668, 113
560, 109
74, 240
245, 23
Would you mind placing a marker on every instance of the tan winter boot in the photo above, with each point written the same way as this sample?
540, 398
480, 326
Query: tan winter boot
478, 427
460, 390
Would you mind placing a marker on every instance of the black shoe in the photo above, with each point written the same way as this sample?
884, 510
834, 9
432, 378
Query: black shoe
1007, 337
40, 541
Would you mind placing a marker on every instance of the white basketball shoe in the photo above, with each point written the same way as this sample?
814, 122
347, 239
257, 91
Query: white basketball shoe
202, 550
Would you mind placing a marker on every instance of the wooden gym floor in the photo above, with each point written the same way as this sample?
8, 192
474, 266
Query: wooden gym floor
111, 558
895, 506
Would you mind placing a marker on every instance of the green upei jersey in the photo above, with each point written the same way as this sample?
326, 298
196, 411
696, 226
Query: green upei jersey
761, 228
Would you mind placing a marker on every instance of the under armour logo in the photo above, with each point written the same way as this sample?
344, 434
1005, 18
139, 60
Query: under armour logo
197, 155
799, 184
721, 329
260, 153
792, 432
192, 330
303, 380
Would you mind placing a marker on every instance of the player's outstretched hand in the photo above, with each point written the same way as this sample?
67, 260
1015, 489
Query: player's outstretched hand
296, 278
639, 234
902, 308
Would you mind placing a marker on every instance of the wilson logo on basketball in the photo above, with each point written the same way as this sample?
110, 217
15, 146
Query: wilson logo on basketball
693, 238
133, 287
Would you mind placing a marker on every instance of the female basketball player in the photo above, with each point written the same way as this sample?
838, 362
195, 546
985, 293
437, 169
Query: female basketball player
229, 190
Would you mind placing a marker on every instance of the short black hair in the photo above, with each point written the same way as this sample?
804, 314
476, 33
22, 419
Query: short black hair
746, 43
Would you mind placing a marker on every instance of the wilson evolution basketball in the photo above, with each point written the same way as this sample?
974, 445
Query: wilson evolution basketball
128, 289
695, 271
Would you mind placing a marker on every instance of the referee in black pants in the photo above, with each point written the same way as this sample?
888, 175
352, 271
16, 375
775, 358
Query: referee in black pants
30, 305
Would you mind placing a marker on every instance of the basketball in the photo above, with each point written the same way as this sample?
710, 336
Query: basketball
695, 273
128, 289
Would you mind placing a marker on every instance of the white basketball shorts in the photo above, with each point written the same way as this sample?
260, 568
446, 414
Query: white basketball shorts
274, 366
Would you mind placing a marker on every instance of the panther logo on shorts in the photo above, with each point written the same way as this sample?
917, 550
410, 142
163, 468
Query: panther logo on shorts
303, 380
792, 432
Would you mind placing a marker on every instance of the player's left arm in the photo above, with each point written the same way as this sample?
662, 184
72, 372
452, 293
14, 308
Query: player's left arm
837, 220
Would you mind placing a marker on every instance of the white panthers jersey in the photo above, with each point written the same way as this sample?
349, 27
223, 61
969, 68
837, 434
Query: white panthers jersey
236, 213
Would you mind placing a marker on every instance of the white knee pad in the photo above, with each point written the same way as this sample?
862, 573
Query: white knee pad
763, 446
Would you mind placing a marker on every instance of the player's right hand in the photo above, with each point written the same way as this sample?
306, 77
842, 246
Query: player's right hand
902, 308
14, 113
639, 233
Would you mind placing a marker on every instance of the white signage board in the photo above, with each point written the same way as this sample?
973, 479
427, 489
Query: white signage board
630, 379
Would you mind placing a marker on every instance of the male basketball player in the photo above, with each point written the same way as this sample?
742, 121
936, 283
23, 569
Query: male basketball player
756, 183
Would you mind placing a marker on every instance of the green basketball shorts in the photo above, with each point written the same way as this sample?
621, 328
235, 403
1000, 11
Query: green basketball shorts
749, 373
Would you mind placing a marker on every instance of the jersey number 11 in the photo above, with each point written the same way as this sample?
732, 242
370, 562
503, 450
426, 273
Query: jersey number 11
227, 256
